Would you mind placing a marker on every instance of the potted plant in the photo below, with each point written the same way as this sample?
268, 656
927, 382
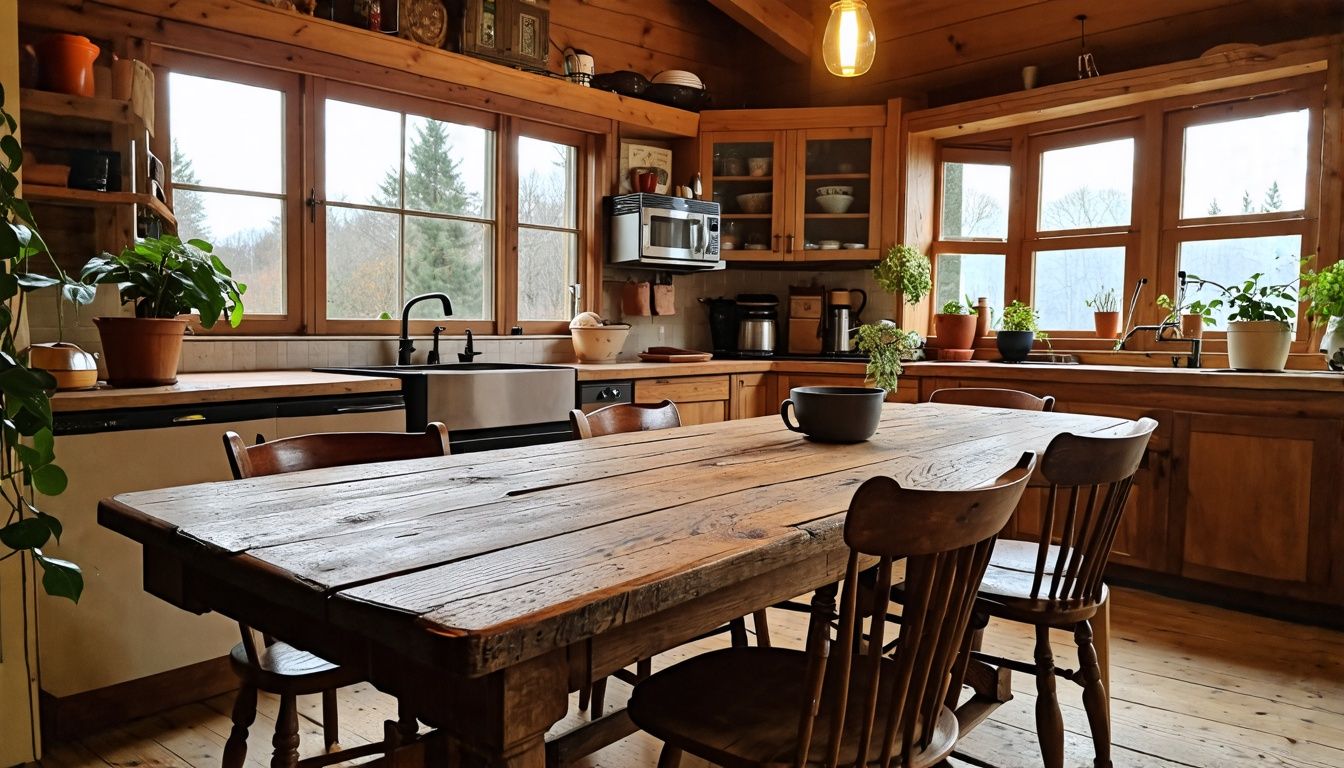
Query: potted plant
1105, 313
886, 345
163, 278
1191, 318
954, 331
1259, 335
1324, 293
905, 271
27, 445
1017, 331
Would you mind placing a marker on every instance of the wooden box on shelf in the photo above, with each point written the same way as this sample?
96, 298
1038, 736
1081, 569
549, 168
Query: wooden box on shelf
515, 32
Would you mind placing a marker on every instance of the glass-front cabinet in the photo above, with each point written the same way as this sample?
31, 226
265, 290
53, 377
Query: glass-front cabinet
801, 193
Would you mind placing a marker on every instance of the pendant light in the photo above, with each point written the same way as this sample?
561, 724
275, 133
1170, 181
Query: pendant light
850, 41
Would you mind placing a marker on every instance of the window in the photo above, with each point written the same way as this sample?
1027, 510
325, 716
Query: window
963, 276
1245, 166
240, 199
410, 209
975, 201
1233, 260
1086, 187
548, 229
1065, 280
968, 256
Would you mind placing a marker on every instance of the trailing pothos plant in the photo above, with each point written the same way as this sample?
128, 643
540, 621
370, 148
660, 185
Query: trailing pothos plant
905, 271
27, 458
886, 345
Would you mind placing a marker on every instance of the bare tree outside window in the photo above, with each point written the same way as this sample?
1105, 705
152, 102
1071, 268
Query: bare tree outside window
547, 228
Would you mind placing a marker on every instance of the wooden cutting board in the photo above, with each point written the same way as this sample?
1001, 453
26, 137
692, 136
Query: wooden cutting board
674, 355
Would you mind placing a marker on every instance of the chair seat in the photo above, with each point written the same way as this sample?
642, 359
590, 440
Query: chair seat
741, 706
282, 668
1005, 590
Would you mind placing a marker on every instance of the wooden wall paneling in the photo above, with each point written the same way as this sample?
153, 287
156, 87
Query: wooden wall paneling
918, 209
1332, 162
893, 198
775, 22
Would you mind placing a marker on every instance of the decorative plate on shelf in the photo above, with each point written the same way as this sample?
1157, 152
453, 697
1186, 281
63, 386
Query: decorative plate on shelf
424, 21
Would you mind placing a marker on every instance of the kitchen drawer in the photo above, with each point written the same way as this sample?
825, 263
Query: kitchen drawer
684, 389
805, 306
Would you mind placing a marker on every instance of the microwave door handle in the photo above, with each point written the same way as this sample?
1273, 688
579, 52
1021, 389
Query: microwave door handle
697, 237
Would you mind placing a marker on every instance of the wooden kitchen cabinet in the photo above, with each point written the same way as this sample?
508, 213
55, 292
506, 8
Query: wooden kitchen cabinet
699, 399
750, 396
807, 149
1255, 502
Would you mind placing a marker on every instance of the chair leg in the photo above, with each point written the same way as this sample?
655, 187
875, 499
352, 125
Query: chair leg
737, 632
286, 740
407, 725
599, 697
1101, 639
331, 729
762, 625
585, 694
670, 757
644, 669
1095, 699
1049, 721
244, 714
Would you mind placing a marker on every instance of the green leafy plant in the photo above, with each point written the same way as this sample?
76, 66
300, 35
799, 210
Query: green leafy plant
1020, 317
886, 346
1251, 301
1323, 290
906, 271
1203, 309
165, 277
955, 307
27, 458
1104, 300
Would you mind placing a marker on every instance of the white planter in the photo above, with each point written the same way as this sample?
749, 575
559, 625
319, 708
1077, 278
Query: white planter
1333, 344
1258, 345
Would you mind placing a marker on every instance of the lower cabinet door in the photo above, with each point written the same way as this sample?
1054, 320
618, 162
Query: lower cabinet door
699, 399
750, 396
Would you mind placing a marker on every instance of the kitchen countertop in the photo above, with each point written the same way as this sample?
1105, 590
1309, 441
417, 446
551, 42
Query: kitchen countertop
224, 387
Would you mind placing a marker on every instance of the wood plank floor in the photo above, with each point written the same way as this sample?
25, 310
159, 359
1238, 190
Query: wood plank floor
1193, 686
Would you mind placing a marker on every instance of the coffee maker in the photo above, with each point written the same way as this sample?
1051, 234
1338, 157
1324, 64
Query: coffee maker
842, 317
757, 315
722, 325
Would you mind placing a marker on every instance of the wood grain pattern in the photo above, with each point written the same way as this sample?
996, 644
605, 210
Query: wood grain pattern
197, 388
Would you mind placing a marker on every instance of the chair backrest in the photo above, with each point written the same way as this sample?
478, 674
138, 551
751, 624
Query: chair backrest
320, 451
946, 538
331, 449
993, 398
1090, 478
624, 417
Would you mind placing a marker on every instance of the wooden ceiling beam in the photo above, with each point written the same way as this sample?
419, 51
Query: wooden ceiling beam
783, 28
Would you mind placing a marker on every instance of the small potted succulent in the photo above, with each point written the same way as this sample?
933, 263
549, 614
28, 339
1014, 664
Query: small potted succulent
1105, 313
1017, 331
1323, 291
905, 271
1191, 318
886, 345
954, 331
165, 279
1259, 335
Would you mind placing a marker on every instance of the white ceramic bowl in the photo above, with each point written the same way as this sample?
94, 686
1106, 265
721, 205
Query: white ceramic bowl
601, 344
758, 166
835, 203
678, 77
755, 202
829, 245
839, 189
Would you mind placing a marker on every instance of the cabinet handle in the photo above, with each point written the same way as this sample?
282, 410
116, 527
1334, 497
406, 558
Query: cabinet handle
370, 408
776, 242
188, 418
790, 250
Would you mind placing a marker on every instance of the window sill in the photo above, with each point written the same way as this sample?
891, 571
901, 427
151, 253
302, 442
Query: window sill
207, 337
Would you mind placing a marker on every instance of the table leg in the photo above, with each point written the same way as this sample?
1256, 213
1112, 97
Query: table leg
1101, 640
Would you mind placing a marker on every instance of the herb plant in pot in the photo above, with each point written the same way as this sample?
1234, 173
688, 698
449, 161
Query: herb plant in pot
1259, 335
163, 278
1324, 293
954, 331
1017, 332
1191, 318
1105, 313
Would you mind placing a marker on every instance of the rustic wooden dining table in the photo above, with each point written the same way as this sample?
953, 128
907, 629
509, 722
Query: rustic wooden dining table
481, 589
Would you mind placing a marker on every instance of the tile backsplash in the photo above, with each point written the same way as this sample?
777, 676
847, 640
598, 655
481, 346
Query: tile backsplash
687, 328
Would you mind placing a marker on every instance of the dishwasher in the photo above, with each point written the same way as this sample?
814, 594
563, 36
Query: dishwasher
118, 632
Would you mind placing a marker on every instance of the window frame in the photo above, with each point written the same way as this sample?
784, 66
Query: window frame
974, 246
166, 61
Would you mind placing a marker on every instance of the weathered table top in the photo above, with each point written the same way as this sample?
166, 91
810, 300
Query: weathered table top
480, 561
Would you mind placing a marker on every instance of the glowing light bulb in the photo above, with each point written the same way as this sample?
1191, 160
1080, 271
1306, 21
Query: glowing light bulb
850, 42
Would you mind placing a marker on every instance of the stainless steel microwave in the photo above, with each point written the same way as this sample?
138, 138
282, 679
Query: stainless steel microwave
663, 232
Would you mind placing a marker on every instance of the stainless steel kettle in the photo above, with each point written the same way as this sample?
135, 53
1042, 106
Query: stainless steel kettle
842, 317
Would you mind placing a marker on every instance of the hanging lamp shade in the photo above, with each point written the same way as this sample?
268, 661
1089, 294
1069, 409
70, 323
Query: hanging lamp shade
850, 41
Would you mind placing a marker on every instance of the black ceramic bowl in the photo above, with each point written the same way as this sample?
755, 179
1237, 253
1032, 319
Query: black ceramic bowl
625, 82
834, 414
679, 96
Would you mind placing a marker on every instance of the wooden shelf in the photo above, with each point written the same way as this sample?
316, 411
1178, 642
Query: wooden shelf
749, 216
38, 193
837, 216
743, 178
836, 254
837, 176
81, 114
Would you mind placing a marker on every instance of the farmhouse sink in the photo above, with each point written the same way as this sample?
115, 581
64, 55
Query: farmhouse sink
450, 368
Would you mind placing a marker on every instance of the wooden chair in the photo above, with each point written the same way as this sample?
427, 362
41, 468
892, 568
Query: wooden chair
640, 417
624, 417
280, 668
1058, 584
993, 398
742, 707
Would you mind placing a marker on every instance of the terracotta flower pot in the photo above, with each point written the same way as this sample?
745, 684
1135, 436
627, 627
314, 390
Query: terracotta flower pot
65, 64
141, 351
1258, 345
1107, 324
954, 331
1192, 326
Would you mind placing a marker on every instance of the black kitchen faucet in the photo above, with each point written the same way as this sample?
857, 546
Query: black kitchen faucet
404, 345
